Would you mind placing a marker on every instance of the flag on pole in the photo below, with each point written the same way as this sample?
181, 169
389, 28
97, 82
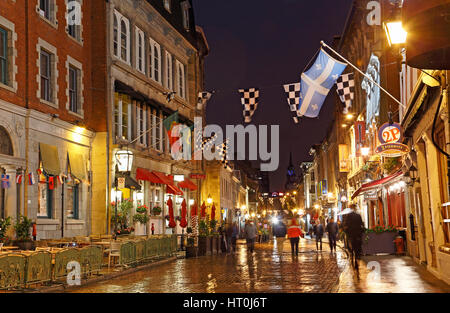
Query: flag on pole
203, 98
345, 88
5, 181
19, 179
317, 82
222, 150
31, 179
51, 182
169, 123
249, 99
293, 98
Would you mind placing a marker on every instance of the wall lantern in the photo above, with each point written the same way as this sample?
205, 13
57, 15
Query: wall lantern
209, 199
124, 160
365, 151
395, 32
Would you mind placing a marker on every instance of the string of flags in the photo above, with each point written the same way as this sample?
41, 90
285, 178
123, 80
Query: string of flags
30, 179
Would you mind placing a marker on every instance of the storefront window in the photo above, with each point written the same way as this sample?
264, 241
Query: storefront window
45, 200
73, 201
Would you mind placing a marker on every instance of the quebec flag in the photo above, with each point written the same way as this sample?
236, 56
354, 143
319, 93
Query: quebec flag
317, 82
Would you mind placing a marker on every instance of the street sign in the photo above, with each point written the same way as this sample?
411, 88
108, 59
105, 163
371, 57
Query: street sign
198, 176
121, 183
390, 133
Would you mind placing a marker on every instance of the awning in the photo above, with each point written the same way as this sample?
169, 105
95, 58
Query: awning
375, 184
171, 188
143, 174
187, 184
77, 165
50, 159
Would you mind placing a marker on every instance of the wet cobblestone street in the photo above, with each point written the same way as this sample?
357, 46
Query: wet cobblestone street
264, 272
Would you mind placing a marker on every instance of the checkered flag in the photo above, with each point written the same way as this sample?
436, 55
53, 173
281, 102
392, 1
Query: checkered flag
345, 87
222, 150
203, 98
293, 98
249, 99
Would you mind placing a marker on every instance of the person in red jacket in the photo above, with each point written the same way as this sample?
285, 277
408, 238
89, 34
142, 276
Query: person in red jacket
294, 233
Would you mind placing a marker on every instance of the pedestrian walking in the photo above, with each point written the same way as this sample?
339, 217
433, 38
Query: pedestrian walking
250, 233
229, 236
294, 233
234, 236
332, 230
279, 230
354, 229
318, 232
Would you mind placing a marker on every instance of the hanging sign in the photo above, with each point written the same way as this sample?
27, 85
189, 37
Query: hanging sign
121, 183
390, 133
371, 196
392, 150
344, 162
197, 176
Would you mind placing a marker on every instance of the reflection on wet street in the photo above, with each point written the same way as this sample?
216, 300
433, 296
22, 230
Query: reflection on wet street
266, 271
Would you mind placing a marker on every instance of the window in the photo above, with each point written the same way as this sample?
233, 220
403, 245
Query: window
44, 8
45, 200
3, 56
141, 116
73, 201
157, 132
155, 61
122, 110
140, 51
74, 90
167, 5
181, 80
46, 76
185, 6
74, 19
121, 37
169, 71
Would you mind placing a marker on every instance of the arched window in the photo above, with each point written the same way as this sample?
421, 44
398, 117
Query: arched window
116, 36
5, 142
123, 40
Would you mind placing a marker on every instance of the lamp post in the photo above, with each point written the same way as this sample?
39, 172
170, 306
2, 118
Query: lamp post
124, 162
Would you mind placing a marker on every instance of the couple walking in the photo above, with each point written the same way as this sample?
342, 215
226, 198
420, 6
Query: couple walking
294, 233
332, 230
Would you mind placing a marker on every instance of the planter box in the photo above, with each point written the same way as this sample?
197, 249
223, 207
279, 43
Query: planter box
202, 246
191, 252
379, 243
140, 229
24, 245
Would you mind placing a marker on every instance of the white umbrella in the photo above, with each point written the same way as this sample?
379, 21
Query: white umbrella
346, 211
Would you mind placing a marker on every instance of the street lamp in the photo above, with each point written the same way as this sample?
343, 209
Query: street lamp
395, 32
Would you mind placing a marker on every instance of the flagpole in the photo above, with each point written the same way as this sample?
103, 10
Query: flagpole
368, 77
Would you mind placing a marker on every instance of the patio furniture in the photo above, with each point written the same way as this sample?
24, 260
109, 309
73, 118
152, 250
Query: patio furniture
113, 251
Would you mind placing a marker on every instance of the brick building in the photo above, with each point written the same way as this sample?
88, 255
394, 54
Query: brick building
45, 110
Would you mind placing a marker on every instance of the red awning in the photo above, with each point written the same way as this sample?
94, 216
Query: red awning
143, 174
375, 184
187, 184
166, 180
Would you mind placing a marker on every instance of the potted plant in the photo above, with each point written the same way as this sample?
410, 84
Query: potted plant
156, 211
141, 219
22, 229
215, 237
120, 220
4, 225
203, 241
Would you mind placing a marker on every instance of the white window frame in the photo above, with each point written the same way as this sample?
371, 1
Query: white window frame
140, 49
118, 38
155, 53
78, 28
53, 10
185, 6
141, 116
119, 125
181, 80
167, 5
168, 71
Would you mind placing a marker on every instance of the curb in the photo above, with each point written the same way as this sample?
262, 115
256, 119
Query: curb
63, 287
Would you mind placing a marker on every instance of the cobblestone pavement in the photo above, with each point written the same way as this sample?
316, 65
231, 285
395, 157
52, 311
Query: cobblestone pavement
264, 271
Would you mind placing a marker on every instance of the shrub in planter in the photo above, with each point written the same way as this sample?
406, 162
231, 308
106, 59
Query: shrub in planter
156, 210
22, 229
141, 215
4, 225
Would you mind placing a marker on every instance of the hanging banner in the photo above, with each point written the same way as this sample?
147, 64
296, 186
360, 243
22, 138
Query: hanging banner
197, 176
344, 162
360, 136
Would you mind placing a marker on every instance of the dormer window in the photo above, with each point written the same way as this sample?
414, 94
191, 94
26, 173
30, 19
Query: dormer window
167, 5
185, 6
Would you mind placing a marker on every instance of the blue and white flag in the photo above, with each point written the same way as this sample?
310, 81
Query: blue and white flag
317, 82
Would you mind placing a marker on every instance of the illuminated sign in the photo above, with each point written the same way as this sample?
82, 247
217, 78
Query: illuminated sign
392, 150
390, 133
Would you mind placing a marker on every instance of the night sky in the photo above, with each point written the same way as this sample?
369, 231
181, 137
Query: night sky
265, 44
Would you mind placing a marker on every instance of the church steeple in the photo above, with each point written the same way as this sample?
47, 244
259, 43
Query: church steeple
291, 177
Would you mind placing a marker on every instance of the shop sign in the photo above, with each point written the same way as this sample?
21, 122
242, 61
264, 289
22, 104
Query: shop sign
392, 150
371, 196
344, 162
390, 133
197, 176
323, 187
121, 183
